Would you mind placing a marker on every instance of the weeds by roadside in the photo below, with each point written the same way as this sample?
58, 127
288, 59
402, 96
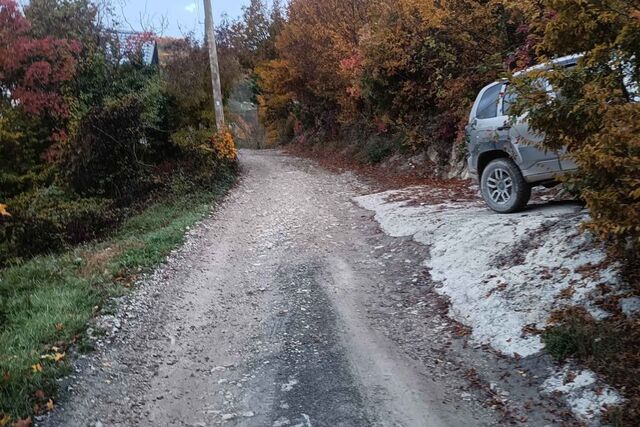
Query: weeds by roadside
47, 302
608, 347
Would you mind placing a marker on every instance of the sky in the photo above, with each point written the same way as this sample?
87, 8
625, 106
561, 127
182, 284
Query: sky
180, 16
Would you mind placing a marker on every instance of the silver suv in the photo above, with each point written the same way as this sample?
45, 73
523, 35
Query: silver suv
503, 154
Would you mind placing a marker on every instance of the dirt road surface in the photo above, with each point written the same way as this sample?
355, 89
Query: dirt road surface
289, 307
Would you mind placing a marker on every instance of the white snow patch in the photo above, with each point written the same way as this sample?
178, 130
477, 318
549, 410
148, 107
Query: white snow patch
504, 272
585, 396
468, 241
630, 306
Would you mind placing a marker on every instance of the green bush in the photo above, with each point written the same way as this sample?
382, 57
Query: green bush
608, 346
105, 159
47, 219
204, 160
378, 150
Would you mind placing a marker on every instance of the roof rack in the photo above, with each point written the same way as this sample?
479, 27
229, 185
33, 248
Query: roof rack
564, 61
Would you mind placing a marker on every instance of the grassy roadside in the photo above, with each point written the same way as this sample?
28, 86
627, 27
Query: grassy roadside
609, 347
47, 302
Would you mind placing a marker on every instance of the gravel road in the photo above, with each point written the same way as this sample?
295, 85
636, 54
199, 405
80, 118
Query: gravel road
289, 307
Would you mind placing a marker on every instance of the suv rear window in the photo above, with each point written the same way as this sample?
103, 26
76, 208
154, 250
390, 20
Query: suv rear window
488, 106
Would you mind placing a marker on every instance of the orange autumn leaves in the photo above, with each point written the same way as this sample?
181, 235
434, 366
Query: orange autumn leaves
409, 67
224, 146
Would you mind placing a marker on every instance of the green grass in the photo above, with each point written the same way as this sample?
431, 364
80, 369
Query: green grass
47, 302
608, 347
579, 339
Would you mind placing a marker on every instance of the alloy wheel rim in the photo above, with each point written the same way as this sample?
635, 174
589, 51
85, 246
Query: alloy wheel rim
500, 186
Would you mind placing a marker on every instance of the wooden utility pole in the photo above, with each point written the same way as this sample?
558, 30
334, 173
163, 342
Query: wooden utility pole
213, 60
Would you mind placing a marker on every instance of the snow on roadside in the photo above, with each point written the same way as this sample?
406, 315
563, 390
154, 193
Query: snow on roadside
504, 274
468, 242
583, 392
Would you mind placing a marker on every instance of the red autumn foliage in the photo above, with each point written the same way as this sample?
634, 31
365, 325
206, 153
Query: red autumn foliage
34, 71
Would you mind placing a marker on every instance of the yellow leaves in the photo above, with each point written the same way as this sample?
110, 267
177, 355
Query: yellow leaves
3, 210
54, 357
43, 403
4, 420
432, 13
219, 146
224, 146
279, 82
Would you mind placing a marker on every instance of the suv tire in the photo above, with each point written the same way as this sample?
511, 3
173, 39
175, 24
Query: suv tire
503, 187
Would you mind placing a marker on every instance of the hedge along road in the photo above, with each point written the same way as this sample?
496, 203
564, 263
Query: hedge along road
279, 311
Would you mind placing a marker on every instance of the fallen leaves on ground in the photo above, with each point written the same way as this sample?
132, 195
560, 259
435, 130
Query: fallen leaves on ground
26, 422
55, 357
385, 175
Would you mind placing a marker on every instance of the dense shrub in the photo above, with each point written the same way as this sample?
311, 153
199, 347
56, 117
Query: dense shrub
210, 153
102, 160
36, 72
187, 80
79, 111
188, 83
595, 117
48, 219
406, 67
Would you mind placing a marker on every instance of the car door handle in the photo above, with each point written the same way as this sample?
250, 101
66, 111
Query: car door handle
505, 127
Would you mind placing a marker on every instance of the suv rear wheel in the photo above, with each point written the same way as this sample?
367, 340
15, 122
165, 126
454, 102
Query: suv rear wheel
503, 187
